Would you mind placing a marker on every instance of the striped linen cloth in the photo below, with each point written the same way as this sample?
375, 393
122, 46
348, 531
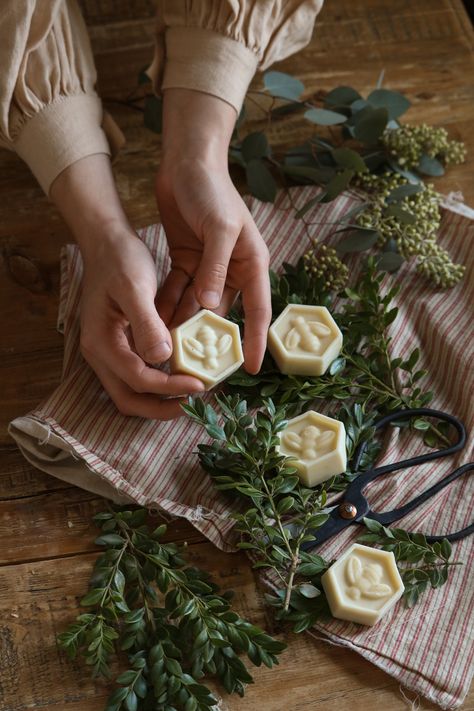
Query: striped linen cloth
78, 435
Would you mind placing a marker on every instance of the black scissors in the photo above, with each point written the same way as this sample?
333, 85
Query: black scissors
352, 507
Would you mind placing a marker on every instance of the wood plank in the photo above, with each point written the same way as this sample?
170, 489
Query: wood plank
19, 479
425, 49
59, 523
36, 674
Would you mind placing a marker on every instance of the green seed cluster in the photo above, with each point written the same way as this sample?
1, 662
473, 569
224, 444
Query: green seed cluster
408, 143
413, 228
323, 263
436, 264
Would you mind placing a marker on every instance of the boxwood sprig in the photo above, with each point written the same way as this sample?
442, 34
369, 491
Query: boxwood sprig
167, 617
422, 565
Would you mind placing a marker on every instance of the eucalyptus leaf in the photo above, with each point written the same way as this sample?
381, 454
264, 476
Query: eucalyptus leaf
430, 166
338, 184
390, 261
255, 145
308, 206
260, 181
283, 85
395, 103
404, 191
314, 175
410, 175
347, 158
370, 126
357, 241
341, 96
324, 117
403, 216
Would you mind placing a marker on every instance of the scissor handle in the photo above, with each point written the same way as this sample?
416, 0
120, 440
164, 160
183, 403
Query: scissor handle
387, 517
421, 458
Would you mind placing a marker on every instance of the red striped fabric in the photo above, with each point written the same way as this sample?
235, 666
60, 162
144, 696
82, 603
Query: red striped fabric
429, 648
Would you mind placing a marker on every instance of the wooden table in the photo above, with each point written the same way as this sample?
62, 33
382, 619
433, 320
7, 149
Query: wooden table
46, 551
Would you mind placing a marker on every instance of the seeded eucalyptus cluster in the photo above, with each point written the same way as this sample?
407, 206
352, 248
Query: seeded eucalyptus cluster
423, 147
361, 144
407, 217
358, 142
167, 618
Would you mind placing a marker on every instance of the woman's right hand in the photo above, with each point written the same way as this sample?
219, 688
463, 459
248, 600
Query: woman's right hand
122, 335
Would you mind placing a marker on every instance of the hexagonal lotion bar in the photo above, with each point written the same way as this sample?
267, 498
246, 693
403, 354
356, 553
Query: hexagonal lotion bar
318, 444
206, 346
304, 340
363, 585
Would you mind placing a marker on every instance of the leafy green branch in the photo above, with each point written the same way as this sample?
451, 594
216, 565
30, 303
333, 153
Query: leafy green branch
169, 619
421, 564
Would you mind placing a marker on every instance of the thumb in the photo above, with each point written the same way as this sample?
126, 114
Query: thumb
151, 337
211, 274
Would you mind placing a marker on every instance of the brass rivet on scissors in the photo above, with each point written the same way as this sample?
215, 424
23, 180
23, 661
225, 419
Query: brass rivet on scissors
347, 510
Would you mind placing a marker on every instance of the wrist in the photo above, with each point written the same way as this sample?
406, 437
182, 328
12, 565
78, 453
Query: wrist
196, 126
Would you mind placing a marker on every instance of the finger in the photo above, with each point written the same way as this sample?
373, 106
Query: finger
140, 405
229, 297
171, 293
256, 300
187, 307
211, 274
128, 367
151, 337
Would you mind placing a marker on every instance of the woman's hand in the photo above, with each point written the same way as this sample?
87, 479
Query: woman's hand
121, 331
215, 247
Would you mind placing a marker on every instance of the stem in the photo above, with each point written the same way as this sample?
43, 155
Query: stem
141, 582
289, 587
114, 570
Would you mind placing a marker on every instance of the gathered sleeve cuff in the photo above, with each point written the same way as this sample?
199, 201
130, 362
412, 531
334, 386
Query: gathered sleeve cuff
216, 46
62, 133
200, 59
50, 113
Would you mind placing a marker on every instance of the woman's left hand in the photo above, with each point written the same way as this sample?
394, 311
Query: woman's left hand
215, 247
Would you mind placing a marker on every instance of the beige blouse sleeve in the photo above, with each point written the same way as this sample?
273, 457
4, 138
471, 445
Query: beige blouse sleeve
216, 46
50, 113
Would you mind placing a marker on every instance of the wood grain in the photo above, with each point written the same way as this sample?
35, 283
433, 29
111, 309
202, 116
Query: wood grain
46, 551
36, 674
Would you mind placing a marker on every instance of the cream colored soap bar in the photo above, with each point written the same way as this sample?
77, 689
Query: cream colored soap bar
208, 347
318, 444
304, 340
363, 585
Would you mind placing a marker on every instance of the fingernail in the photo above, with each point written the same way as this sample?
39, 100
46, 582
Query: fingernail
158, 353
210, 299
